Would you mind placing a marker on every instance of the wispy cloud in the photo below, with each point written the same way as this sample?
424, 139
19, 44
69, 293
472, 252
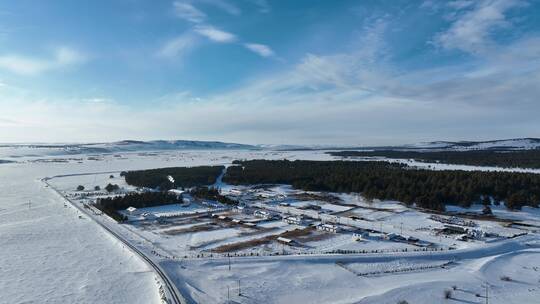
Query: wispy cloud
187, 11
177, 46
260, 49
224, 5
263, 5
215, 34
26, 65
471, 31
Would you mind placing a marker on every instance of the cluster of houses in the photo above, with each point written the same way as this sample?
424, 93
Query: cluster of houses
79, 195
254, 194
463, 233
294, 220
453, 220
263, 214
400, 238
328, 228
237, 221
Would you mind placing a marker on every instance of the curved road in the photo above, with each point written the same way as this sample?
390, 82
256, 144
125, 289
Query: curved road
173, 295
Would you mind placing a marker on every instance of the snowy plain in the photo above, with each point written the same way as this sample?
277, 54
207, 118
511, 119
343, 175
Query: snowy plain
50, 255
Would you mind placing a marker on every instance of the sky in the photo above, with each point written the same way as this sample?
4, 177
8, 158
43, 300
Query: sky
269, 72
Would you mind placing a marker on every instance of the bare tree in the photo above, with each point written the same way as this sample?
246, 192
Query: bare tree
447, 294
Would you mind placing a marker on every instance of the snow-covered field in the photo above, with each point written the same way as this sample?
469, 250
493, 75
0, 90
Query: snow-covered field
333, 279
51, 255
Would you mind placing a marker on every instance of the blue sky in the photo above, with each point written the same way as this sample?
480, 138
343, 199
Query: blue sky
262, 71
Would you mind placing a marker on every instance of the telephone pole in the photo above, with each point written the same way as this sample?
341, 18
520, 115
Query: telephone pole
486, 286
239, 290
487, 297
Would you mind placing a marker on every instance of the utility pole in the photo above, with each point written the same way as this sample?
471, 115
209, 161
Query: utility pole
29, 204
239, 290
401, 228
229, 262
228, 293
487, 297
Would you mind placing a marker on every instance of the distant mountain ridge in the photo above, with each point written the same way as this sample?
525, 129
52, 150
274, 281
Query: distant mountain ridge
170, 145
502, 144
125, 146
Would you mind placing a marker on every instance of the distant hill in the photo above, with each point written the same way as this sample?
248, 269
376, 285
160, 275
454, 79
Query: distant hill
43, 149
503, 144
120, 146
133, 145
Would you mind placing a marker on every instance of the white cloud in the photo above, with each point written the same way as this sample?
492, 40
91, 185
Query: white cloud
25, 65
460, 4
68, 56
188, 12
263, 5
177, 46
215, 34
224, 5
22, 65
471, 31
260, 49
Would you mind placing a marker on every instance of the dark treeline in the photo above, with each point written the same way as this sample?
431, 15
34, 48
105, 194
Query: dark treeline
521, 159
380, 180
212, 194
111, 205
183, 177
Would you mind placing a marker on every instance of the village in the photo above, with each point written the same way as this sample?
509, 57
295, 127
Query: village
279, 220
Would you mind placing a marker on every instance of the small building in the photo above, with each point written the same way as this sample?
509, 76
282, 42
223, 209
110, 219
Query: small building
475, 234
328, 228
285, 241
389, 236
394, 237
131, 210
462, 237
262, 214
235, 192
360, 235
412, 239
294, 220
453, 229
313, 207
210, 204
264, 194
185, 202
149, 216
